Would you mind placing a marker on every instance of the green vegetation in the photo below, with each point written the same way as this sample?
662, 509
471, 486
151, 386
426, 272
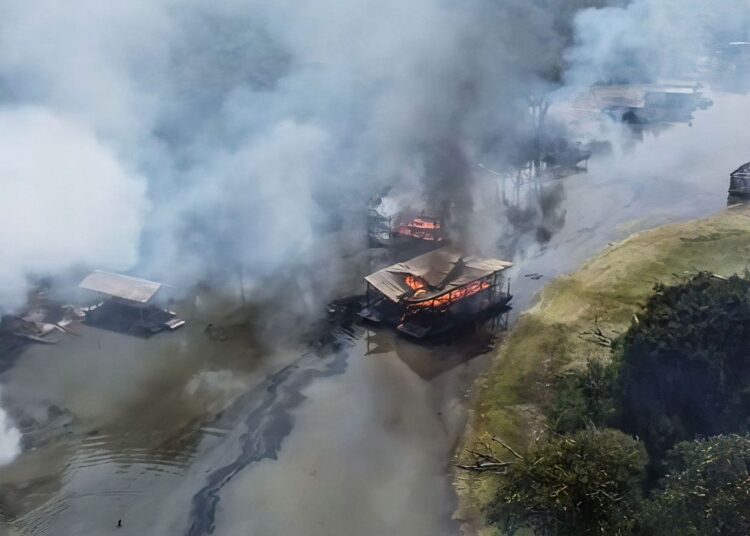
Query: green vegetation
684, 365
584, 399
706, 492
681, 371
554, 372
586, 483
591, 483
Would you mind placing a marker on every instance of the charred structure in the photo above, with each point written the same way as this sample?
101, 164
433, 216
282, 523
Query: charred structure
739, 182
128, 305
640, 104
434, 292
405, 226
426, 228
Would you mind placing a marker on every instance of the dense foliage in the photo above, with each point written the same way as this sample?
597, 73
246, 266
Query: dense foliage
706, 491
586, 483
584, 399
684, 366
680, 373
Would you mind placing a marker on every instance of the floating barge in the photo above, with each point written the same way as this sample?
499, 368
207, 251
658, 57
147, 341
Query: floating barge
428, 230
129, 305
434, 292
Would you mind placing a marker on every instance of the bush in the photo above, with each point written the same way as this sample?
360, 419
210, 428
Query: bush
706, 492
584, 484
584, 399
685, 364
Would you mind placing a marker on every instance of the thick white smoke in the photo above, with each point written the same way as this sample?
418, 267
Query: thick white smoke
10, 439
648, 40
248, 126
254, 123
64, 199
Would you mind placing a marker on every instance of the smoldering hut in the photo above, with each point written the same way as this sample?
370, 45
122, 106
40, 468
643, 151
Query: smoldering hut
436, 291
739, 181
128, 304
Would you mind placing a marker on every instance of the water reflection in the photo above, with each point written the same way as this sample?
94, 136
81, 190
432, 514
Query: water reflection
429, 359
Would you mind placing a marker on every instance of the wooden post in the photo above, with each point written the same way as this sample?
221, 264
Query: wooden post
509, 288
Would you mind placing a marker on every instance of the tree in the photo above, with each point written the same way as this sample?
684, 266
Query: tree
706, 491
588, 483
684, 364
584, 399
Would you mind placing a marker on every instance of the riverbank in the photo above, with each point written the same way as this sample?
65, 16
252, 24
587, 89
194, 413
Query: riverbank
549, 338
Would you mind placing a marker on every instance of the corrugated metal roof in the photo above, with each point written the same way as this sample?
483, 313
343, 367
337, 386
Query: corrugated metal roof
437, 270
121, 286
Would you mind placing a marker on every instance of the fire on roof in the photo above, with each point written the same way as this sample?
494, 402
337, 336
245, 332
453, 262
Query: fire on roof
435, 290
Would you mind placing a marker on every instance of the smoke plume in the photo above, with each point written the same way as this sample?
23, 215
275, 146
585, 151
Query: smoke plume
184, 139
64, 199
648, 40
10, 439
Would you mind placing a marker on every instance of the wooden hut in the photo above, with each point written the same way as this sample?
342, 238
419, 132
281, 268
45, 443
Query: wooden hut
739, 181
129, 304
435, 291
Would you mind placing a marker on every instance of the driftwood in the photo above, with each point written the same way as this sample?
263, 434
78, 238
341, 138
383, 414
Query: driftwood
489, 462
597, 336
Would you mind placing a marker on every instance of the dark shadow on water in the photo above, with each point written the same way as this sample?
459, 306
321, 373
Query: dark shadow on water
429, 358
11, 348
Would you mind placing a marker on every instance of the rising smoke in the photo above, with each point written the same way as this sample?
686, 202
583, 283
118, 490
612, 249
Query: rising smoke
10, 439
65, 199
190, 139
649, 40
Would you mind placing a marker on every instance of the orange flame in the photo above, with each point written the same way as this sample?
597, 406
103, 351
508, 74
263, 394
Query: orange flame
424, 229
414, 282
417, 284
443, 301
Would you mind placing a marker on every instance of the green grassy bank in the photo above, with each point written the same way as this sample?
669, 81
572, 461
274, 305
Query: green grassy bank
551, 338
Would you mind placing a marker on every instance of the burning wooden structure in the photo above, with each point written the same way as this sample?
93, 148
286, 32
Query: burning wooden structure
422, 227
129, 304
739, 181
391, 227
435, 291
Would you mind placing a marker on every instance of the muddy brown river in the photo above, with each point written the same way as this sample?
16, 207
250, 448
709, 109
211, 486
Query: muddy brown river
184, 435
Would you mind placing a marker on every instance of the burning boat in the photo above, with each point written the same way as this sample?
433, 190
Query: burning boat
388, 226
739, 182
426, 228
435, 291
128, 305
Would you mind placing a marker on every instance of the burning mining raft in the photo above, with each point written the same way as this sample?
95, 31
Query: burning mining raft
390, 226
435, 292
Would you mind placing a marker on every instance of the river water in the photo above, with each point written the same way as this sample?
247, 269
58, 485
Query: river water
183, 435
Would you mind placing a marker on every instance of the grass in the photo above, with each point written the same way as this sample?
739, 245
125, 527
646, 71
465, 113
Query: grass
548, 339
